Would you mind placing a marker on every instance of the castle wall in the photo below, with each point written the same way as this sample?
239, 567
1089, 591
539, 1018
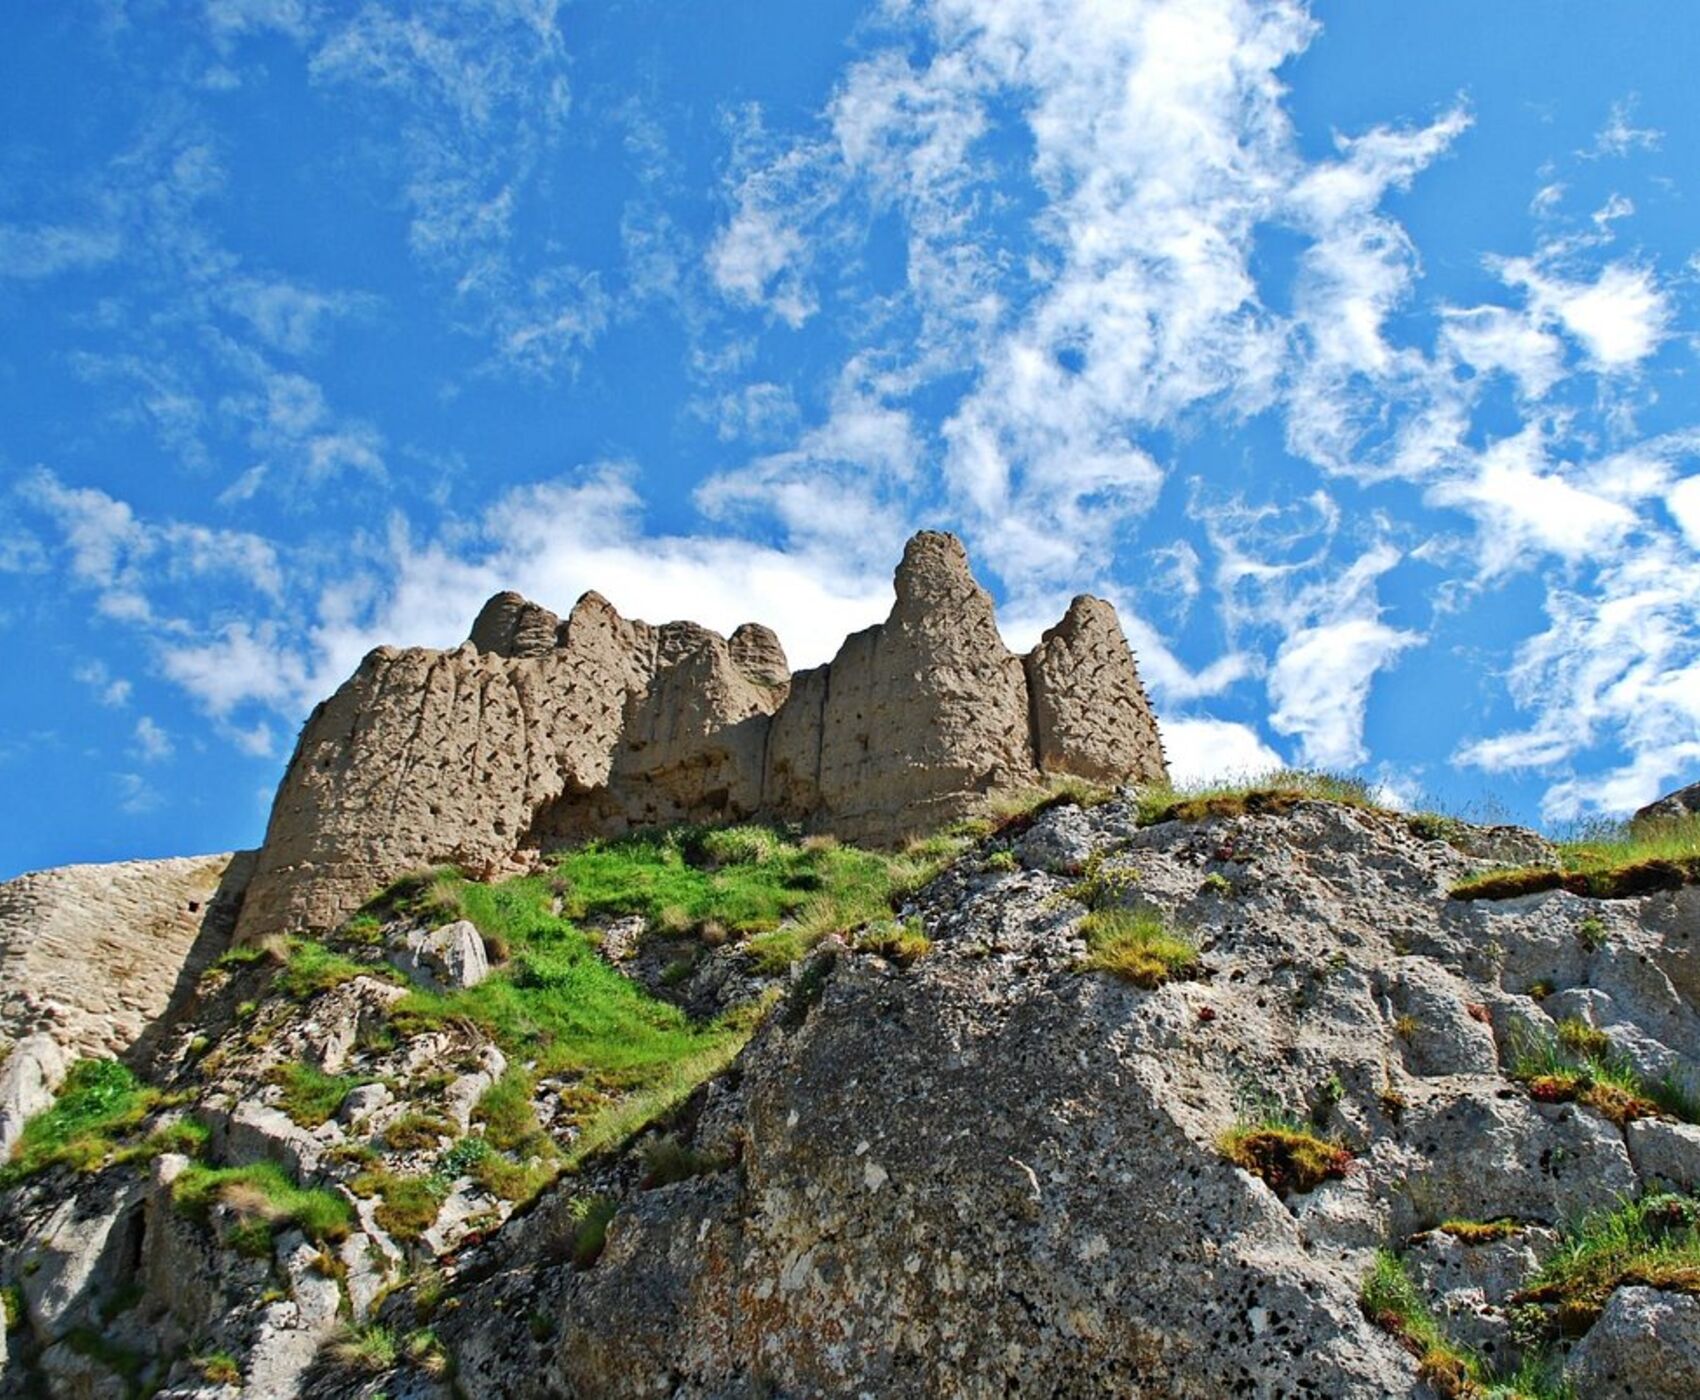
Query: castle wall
537, 731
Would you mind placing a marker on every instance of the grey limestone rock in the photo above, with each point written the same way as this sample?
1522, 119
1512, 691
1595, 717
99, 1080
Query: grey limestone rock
1646, 1345
442, 959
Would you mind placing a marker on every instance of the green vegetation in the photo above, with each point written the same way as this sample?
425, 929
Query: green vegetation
1434, 826
418, 1132
310, 1096
901, 943
1137, 946
219, 1368
367, 1350
1479, 1231
667, 1160
265, 1200
100, 1102
1610, 862
590, 1217
12, 1306
1390, 1300
1578, 1063
407, 1205
1283, 1152
425, 1350
1272, 793
1653, 1242
311, 968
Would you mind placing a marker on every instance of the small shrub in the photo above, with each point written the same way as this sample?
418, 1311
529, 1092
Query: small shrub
1290, 1158
1000, 863
460, 1159
1216, 883
1541, 989
12, 1306
1591, 931
902, 944
736, 845
1406, 1026
1138, 947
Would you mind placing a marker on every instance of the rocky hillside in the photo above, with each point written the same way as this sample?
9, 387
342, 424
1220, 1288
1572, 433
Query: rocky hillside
1254, 1093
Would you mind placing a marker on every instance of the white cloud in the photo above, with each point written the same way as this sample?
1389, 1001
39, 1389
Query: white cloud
49, 249
1523, 508
111, 691
152, 743
1619, 318
1205, 750
1496, 338
1320, 684
1619, 136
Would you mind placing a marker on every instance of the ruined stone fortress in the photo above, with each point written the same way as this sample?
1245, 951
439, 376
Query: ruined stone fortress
537, 731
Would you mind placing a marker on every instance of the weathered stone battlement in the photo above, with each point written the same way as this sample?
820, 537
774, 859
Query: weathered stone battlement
535, 731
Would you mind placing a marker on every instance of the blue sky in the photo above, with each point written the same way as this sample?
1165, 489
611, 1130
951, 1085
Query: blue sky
1348, 348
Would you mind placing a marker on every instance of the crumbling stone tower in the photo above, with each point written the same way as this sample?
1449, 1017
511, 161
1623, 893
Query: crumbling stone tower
535, 731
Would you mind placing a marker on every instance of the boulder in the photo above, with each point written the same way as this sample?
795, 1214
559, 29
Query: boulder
443, 959
1684, 802
1646, 1345
30, 1075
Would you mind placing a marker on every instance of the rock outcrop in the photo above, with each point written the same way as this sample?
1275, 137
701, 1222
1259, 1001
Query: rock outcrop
537, 731
1684, 802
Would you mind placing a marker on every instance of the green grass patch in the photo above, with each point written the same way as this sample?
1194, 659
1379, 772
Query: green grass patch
218, 1368
100, 1102
900, 943
667, 1160
1138, 946
407, 1205
266, 1199
590, 1217
1265, 794
418, 1132
1578, 1064
310, 1096
311, 968
505, 1109
1615, 861
1391, 1301
1653, 1242
1479, 1231
1284, 1153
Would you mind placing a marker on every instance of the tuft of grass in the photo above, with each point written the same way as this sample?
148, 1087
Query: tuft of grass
1290, 1158
1434, 826
1479, 1231
1653, 1242
266, 1198
99, 1103
418, 1132
310, 1096
1611, 862
219, 1368
425, 1350
407, 1205
1138, 947
430, 897
1579, 1064
591, 1216
1269, 793
666, 1160
1390, 1300
367, 1350
505, 1109
900, 943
